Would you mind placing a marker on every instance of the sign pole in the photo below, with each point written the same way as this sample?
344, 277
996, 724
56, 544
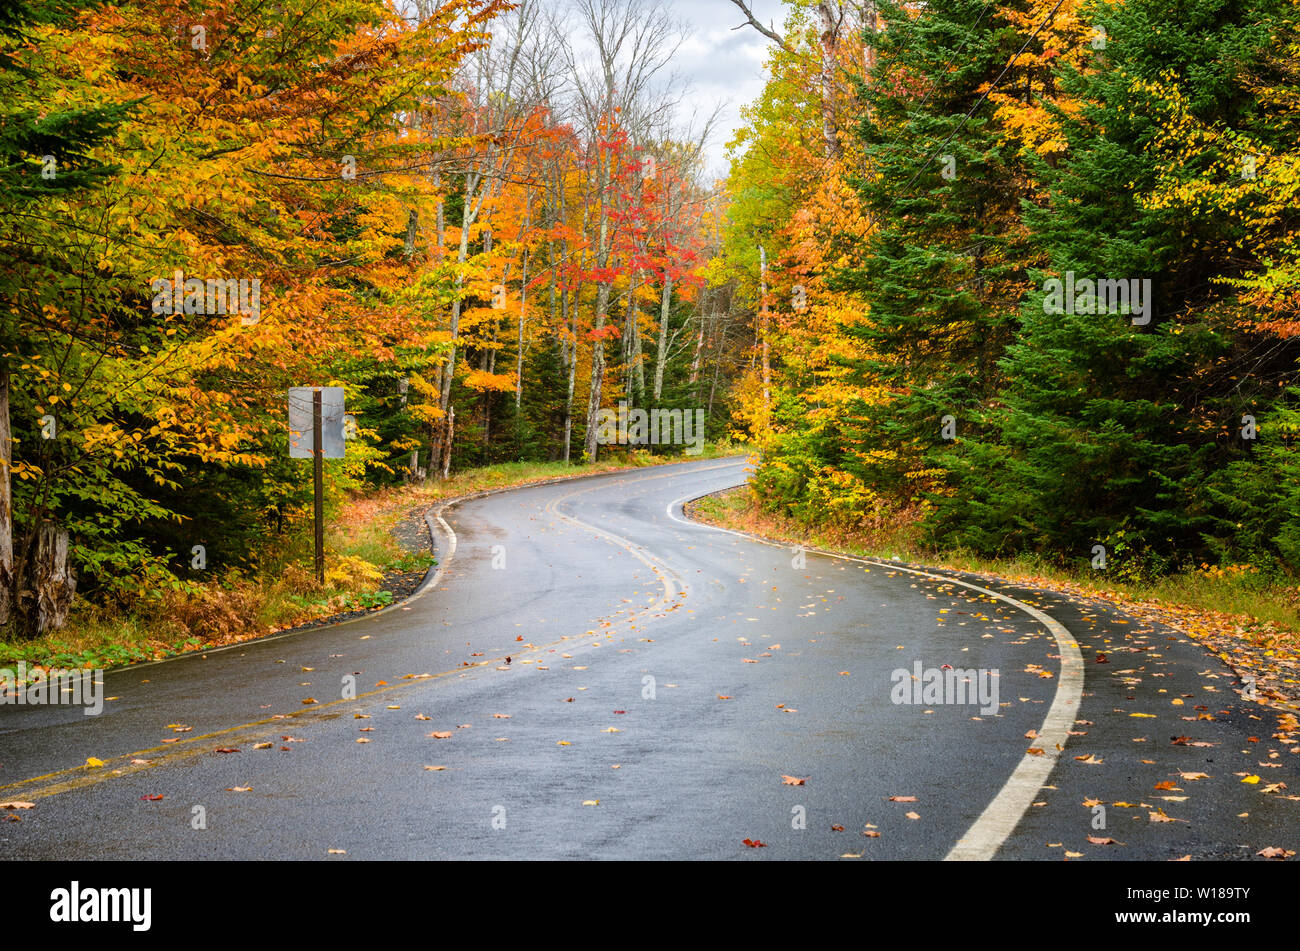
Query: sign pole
318, 476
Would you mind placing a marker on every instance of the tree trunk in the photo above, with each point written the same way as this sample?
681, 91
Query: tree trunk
48, 582
6, 499
446, 449
661, 352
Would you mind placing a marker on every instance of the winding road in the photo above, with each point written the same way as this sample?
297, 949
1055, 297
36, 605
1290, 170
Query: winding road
590, 675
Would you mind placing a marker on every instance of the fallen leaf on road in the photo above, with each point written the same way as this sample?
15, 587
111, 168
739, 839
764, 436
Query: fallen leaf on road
227, 749
238, 788
421, 716
501, 716
1192, 776
563, 743
591, 802
439, 735
17, 805
791, 780
902, 799
263, 746
154, 798
340, 851
913, 815
435, 768
310, 700
1161, 817
837, 828
1090, 759
1095, 840
755, 843
139, 762
92, 762
1251, 779
1273, 852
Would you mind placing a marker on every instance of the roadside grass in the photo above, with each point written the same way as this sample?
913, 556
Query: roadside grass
360, 550
1238, 592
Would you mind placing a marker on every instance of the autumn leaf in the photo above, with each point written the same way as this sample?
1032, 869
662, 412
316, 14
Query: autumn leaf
902, 799
1095, 840
1275, 852
755, 843
17, 804
154, 798
439, 734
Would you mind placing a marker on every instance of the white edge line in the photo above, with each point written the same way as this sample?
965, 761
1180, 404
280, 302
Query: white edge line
1000, 818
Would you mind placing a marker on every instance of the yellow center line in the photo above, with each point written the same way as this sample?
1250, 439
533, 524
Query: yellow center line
77, 777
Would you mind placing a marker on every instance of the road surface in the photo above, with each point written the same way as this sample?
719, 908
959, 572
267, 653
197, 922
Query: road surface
671, 691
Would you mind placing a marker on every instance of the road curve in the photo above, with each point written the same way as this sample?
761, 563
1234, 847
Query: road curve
666, 682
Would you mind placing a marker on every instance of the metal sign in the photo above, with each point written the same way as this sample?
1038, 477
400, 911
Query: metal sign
332, 423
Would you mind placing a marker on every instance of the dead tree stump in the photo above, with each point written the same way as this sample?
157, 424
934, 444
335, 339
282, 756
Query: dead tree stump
48, 582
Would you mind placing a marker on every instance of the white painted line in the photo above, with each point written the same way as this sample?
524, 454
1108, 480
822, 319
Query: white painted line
1000, 818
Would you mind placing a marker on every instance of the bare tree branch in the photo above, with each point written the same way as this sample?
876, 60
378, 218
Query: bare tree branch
766, 31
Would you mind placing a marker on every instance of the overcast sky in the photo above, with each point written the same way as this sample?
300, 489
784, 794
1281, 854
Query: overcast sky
723, 66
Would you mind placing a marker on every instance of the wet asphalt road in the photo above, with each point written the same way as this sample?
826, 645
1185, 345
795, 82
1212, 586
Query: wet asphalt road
664, 677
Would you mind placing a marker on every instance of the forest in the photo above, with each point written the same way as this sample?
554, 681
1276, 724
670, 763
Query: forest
1032, 276
487, 222
1016, 278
